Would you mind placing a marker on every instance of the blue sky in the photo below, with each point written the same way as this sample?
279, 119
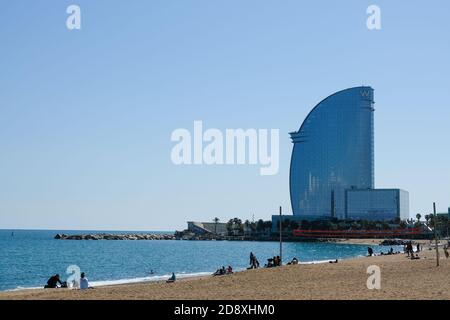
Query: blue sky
86, 115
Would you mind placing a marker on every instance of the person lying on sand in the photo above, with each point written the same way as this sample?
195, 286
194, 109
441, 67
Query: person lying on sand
335, 261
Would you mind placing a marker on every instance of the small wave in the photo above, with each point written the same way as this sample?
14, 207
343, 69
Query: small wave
317, 261
20, 288
103, 283
147, 279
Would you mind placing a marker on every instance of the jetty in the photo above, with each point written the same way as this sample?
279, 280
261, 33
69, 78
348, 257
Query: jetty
109, 236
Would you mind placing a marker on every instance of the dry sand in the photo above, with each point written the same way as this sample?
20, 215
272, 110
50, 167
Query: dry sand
401, 278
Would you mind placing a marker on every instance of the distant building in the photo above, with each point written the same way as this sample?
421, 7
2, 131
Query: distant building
445, 214
207, 227
377, 204
332, 163
363, 204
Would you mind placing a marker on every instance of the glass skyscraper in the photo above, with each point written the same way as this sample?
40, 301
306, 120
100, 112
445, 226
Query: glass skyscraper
333, 152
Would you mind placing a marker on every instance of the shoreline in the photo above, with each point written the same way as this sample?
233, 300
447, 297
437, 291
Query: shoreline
163, 278
306, 281
203, 274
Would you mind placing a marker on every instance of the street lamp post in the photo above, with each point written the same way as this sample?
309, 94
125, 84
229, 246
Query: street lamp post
281, 237
435, 234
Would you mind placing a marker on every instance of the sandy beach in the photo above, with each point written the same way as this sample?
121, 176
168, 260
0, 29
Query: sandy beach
401, 278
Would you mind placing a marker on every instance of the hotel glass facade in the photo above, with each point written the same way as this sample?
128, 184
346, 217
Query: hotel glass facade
377, 204
333, 151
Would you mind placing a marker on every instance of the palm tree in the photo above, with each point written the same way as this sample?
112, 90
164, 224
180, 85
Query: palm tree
230, 227
247, 225
418, 216
216, 221
240, 226
260, 225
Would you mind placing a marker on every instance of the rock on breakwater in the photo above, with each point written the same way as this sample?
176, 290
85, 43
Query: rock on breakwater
108, 236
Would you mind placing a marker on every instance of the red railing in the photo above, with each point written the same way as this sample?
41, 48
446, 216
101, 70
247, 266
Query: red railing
356, 233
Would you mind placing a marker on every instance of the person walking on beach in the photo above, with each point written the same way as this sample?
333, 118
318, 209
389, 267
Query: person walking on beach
409, 249
446, 252
418, 247
254, 264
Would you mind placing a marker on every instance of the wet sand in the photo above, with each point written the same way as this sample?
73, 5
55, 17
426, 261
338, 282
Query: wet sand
401, 278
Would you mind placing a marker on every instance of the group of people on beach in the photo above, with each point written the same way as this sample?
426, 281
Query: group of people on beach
55, 282
273, 262
409, 249
391, 251
223, 271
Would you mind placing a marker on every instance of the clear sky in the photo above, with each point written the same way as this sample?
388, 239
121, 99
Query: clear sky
86, 115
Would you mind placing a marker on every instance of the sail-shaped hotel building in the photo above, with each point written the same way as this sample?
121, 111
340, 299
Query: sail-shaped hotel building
332, 165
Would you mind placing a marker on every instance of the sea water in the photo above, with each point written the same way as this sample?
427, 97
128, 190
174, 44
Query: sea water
29, 257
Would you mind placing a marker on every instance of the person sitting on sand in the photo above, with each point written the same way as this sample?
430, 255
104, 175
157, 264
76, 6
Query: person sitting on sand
220, 272
370, 251
84, 282
229, 270
52, 283
294, 261
173, 278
